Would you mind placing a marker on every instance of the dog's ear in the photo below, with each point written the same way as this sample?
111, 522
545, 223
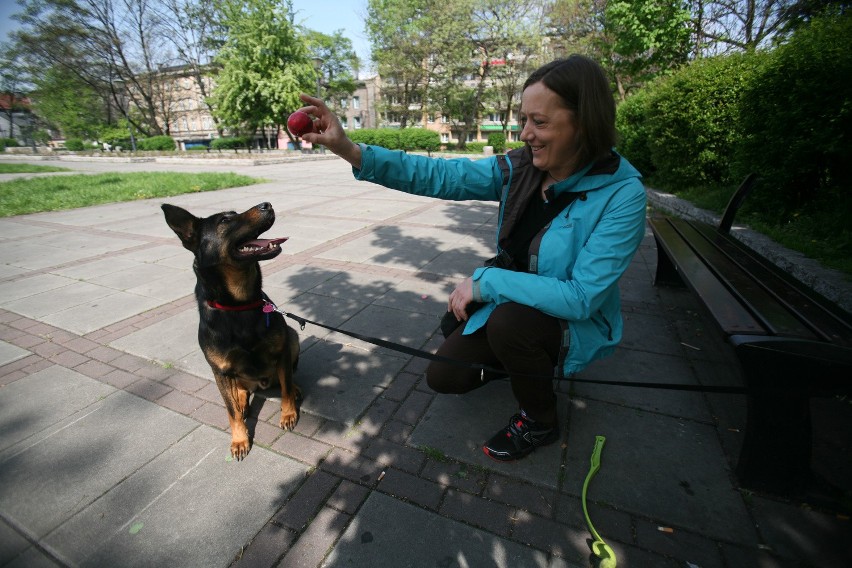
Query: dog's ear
184, 224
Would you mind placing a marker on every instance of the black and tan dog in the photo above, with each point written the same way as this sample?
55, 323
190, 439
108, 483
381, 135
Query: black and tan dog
247, 344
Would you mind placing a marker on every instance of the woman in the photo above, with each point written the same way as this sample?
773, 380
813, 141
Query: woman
550, 305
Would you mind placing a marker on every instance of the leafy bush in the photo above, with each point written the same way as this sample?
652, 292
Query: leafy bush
420, 139
797, 121
116, 136
514, 145
156, 143
398, 138
229, 143
475, 147
693, 123
8, 143
75, 144
363, 136
631, 123
498, 141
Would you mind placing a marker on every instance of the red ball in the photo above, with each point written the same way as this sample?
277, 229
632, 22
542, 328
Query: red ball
299, 123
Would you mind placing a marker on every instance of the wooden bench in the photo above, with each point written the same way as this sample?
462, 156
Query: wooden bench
792, 343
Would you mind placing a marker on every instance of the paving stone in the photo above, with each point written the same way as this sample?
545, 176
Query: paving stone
398, 456
10, 353
302, 448
63, 466
35, 404
477, 420
373, 537
180, 402
165, 512
339, 382
489, 515
149, 390
306, 501
684, 478
348, 497
266, 548
312, 545
412, 488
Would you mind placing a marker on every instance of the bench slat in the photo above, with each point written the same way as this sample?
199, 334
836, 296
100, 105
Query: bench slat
826, 320
725, 307
776, 315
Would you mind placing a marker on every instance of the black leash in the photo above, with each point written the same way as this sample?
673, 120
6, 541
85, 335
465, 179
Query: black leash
725, 389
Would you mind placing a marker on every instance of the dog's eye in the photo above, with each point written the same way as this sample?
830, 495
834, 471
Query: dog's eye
225, 220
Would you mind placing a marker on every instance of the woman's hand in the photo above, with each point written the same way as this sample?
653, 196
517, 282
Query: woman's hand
460, 298
329, 132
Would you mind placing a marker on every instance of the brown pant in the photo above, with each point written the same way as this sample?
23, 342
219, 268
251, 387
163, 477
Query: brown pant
516, 338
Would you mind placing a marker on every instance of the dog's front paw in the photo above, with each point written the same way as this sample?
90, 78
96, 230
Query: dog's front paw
239, 449
289, 419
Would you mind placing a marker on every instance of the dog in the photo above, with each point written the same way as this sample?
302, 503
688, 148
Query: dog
246, 342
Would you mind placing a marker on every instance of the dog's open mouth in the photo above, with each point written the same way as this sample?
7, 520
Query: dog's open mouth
260, 249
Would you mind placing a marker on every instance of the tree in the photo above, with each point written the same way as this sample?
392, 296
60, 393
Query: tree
11, 87
507, 36
634, 41
82, 119
647, 38
400, 33
111, 45
265, 64
338, 64
724, 25
190, 28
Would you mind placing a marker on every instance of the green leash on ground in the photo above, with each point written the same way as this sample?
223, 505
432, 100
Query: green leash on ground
599, 547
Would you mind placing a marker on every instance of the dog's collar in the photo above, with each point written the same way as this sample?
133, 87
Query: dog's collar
237, 308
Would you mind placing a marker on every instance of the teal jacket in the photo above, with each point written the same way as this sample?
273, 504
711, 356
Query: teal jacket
579, 256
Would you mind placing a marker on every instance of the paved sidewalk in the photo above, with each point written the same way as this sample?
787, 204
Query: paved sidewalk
114, 441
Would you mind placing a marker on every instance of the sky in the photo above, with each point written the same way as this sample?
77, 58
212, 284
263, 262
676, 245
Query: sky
326, 16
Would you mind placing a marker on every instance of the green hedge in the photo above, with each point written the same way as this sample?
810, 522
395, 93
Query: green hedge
8, 143
796, 115
685, 128
156, 143
75, 145
475, 147
498, 141
229, 143
784, 114
398, 138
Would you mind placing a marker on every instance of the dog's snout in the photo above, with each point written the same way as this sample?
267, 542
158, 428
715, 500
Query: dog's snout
265, 206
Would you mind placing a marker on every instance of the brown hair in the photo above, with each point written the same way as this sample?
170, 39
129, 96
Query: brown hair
585, 90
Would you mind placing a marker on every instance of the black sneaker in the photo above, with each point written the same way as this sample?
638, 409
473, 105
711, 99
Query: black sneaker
519, 438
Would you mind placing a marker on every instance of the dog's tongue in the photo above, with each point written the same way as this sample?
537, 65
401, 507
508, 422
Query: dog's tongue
263, 243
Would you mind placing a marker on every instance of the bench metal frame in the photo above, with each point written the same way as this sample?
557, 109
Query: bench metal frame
792, 344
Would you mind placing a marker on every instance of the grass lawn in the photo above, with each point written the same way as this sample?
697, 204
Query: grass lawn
54, 193
28, 169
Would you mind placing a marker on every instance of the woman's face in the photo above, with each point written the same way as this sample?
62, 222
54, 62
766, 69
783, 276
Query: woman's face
549, 130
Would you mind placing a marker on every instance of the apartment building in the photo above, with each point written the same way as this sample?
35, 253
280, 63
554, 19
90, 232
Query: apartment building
187, 118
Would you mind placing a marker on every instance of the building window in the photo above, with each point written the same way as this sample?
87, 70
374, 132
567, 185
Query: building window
343, 122
445, 138
356, 102
445, 119
430, 118
356, 120
344, 103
